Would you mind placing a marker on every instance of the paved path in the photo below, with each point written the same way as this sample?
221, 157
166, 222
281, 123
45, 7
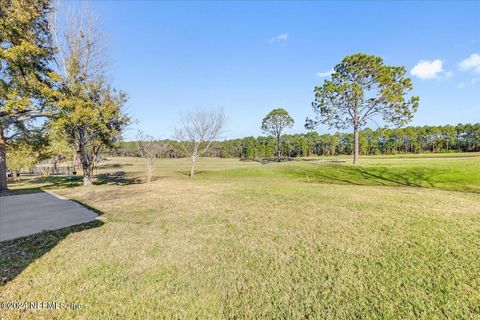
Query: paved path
26, 214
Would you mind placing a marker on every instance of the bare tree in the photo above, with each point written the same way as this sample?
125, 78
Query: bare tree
149, 149
81, 47
198, 131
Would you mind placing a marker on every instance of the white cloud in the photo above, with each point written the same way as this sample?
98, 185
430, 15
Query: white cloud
471, 63
280, 37
461, 85
425, 69
326, 73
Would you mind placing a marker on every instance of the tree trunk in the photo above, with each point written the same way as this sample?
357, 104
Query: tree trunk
192, 169
74, 166
87, 176
278, 148
356, 147
3, 161
86, 162
87, 167
149, 170
55, 169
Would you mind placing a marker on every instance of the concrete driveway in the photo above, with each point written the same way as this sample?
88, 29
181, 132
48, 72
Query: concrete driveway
27, 214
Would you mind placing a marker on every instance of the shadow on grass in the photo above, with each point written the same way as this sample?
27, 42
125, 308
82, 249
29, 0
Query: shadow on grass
424, 177
114, 165
322, 160
18, 254
61, 182
58, 181
269, 160
20, 191
275, 160
116, 178
370, 176
187, 173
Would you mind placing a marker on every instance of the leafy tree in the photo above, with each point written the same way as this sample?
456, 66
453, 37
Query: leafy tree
265, 146
274, 123
249, 148
21, 155
92, 123
55, 150
313, 141
25, 76
90, 110
361, 88
449, 136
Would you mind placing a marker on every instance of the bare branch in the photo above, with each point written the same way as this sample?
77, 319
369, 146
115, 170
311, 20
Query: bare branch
198, 131
149, 149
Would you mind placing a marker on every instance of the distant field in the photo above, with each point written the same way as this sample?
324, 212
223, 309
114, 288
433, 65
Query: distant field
396, 237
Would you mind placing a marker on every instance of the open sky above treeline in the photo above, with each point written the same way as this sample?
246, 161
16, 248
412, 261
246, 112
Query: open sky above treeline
251, 57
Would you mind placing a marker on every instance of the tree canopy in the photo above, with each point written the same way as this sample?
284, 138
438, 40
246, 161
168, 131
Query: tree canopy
25, 75
275, 122
362, 88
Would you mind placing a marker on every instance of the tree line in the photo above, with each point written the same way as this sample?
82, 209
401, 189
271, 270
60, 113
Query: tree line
382, 141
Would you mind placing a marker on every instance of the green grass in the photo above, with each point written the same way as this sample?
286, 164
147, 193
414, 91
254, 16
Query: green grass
459, 173
394, 238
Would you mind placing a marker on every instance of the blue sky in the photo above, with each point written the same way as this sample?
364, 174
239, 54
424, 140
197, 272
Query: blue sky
251, 57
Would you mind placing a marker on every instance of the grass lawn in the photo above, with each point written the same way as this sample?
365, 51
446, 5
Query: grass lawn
393, 238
